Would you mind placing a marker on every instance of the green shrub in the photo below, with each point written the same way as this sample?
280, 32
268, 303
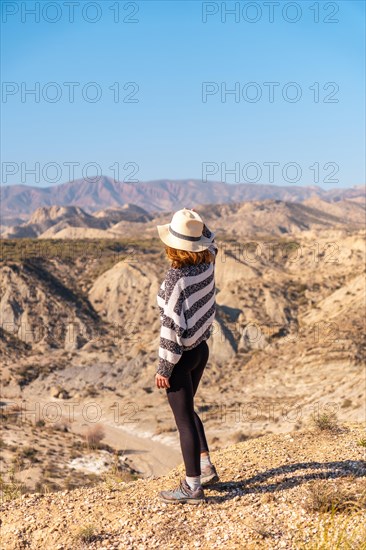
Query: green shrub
325, 421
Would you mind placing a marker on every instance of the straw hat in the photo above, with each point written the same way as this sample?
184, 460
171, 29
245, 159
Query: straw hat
184, 232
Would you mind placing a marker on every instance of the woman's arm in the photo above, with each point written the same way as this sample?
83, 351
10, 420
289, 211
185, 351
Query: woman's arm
173, 325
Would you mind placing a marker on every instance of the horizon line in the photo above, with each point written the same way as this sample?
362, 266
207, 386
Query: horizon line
96, 179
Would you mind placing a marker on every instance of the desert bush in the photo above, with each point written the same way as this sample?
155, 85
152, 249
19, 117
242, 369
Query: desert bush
90, 391
46, 486
61, 426
237, 437
94, 436
325, 421
117, 473
87, 533
75, 454
29, 453
10, 488
335, 532
40, 423
11, 413
320, 496
159, 430
362, 442
268, 497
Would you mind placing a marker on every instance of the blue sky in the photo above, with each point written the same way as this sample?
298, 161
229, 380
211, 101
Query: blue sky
167, 54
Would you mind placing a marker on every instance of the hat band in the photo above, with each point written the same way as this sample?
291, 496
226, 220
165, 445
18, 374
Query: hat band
184, 237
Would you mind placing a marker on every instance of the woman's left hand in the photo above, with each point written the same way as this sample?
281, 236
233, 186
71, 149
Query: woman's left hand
161, 381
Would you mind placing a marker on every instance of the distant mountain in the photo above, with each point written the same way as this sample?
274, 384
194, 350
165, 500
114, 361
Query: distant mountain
154, 196
55, 216
63, 220
128, 212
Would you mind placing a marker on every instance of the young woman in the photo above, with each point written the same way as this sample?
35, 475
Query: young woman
186, 301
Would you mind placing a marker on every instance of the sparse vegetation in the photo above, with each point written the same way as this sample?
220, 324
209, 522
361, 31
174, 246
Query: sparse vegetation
90, 391
46, 486
87, 533
11, 488
61, 426
335, 532
40, 423
326, 421
94, 436
325, 496
117, 473
164, 429
29, 453
239, 436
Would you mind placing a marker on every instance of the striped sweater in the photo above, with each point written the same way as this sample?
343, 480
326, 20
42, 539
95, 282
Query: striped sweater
186, 301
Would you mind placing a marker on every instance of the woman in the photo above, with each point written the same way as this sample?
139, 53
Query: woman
186, 301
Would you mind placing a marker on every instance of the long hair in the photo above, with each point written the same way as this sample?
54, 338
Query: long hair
182, 258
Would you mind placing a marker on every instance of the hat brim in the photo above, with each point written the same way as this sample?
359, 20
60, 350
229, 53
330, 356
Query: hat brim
182, 244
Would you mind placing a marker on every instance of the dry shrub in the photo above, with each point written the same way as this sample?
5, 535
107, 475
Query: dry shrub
325, 421
94, 436
320, 496
333, 531
86, 533
61, 426
237, 437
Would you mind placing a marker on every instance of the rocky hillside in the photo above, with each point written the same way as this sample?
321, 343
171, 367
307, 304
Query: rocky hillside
289, 491
248, 219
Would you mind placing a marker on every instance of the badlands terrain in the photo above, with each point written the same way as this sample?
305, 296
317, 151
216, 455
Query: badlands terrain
80, 330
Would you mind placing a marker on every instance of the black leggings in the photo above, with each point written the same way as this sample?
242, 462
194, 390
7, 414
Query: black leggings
184, 382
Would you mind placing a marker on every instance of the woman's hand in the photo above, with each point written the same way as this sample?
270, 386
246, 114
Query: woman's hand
161, 381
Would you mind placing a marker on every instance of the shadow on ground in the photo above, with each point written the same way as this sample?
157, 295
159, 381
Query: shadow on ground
292, 475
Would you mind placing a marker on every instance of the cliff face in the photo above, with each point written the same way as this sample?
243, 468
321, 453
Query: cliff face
273, 493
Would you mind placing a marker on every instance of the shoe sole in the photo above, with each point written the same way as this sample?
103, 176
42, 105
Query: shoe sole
183, 500
210, 479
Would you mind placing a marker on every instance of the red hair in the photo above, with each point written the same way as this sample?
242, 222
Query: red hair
181, 258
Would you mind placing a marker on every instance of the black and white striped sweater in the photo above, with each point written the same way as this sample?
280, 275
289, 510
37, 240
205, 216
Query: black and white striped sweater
186, 301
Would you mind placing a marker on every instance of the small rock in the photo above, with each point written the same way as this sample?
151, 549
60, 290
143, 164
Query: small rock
55, 390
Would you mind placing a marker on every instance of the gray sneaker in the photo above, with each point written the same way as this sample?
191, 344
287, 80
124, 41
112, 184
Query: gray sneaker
183, 494
209, 475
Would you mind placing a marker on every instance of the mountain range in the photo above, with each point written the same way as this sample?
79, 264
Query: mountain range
18, 202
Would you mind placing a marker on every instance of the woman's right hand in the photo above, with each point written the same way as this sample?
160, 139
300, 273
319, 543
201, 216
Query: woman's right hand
161, 381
